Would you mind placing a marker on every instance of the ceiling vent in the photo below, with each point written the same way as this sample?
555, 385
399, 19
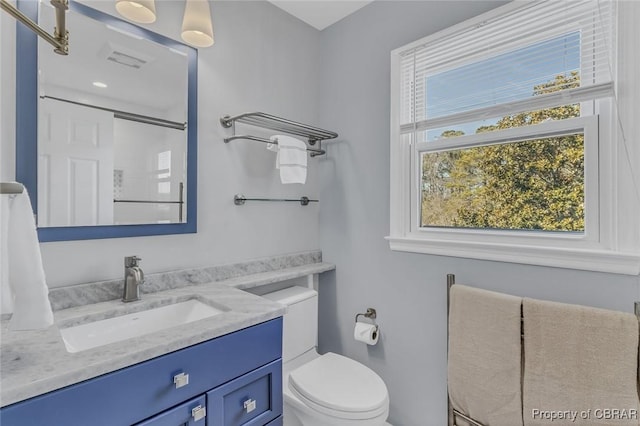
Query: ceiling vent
125, 56
126, 60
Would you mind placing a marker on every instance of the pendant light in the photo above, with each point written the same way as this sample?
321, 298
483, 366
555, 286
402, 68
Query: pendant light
197, 28
141, 11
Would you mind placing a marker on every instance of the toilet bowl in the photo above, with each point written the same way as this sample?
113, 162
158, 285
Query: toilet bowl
323, 390
333, 390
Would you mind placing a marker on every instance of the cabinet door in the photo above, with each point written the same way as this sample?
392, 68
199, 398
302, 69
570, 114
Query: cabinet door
254, 399
190, 413
277, 422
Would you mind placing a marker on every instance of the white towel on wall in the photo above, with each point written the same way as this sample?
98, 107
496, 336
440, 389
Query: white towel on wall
23, 288
291, 159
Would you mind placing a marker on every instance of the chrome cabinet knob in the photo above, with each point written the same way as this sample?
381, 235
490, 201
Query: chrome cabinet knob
198, 413
181, 380
249, 405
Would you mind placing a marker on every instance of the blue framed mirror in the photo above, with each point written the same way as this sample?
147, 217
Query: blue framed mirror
107, 136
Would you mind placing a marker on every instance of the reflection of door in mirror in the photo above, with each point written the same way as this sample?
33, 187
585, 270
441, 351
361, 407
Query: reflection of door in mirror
95, 169
74, 165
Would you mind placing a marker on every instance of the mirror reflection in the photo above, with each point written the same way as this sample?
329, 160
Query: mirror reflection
112, 131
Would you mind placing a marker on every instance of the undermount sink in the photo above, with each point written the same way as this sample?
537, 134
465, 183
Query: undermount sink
93, 334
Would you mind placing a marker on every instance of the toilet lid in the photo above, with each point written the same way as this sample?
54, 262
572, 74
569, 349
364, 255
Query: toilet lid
338, 383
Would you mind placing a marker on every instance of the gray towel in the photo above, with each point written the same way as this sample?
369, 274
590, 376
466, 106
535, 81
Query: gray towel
580, 365
484, 366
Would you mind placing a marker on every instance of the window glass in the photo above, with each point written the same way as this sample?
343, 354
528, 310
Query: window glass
543, 67
529, 185
537, 184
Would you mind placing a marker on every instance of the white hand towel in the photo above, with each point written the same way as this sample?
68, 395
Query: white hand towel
291, 159
24, 291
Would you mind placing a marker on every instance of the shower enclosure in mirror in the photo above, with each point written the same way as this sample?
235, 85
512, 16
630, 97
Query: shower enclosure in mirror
107, 140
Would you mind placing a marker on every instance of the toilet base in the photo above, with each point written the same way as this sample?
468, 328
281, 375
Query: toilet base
290, 419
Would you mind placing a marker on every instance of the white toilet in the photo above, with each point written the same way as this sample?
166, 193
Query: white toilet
323, 390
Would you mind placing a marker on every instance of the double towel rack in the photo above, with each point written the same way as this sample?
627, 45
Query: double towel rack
313, 135
454, 414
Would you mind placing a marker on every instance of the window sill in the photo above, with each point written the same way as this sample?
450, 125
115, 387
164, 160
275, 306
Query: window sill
583, 259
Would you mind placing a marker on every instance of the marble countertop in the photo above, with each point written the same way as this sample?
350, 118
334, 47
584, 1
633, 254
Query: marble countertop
36, 362
263, 278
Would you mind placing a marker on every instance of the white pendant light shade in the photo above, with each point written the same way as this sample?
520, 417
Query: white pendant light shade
142, 11
197, 28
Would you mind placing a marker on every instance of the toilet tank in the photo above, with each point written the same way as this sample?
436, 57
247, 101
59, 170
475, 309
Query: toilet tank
300, 325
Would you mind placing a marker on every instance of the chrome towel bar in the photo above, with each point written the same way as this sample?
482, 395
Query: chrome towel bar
313, 151
11, 188
240, 199
125, 115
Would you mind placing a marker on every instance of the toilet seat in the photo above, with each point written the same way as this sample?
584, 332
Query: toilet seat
340, 387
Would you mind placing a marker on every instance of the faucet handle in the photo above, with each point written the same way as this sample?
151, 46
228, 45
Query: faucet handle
130, 261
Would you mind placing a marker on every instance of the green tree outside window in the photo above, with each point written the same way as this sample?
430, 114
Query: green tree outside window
531, 185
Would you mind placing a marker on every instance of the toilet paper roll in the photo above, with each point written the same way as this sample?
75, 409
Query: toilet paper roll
367, 333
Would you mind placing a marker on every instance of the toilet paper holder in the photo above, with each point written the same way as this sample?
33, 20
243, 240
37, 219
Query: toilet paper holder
365, 332
371, 314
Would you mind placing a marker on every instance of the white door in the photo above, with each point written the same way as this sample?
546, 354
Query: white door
75, 165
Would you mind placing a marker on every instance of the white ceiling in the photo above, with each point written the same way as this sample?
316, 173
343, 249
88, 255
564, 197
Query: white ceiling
320, 13
141, 90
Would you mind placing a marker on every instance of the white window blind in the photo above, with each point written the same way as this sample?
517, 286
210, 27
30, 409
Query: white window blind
490, 69
474, 104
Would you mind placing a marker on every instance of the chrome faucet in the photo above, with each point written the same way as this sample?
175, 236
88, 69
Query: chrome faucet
133, 277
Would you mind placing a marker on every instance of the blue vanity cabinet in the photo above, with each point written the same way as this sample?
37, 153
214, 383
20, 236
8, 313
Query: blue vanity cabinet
254, 399
163, 390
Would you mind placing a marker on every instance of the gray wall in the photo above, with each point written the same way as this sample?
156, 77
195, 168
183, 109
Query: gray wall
263, 60
407, 289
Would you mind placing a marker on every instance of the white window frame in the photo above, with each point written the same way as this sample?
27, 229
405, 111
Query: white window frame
611, 240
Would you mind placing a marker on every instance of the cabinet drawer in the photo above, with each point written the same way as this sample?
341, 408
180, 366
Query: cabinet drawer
138, 392
254, 399
182, 415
